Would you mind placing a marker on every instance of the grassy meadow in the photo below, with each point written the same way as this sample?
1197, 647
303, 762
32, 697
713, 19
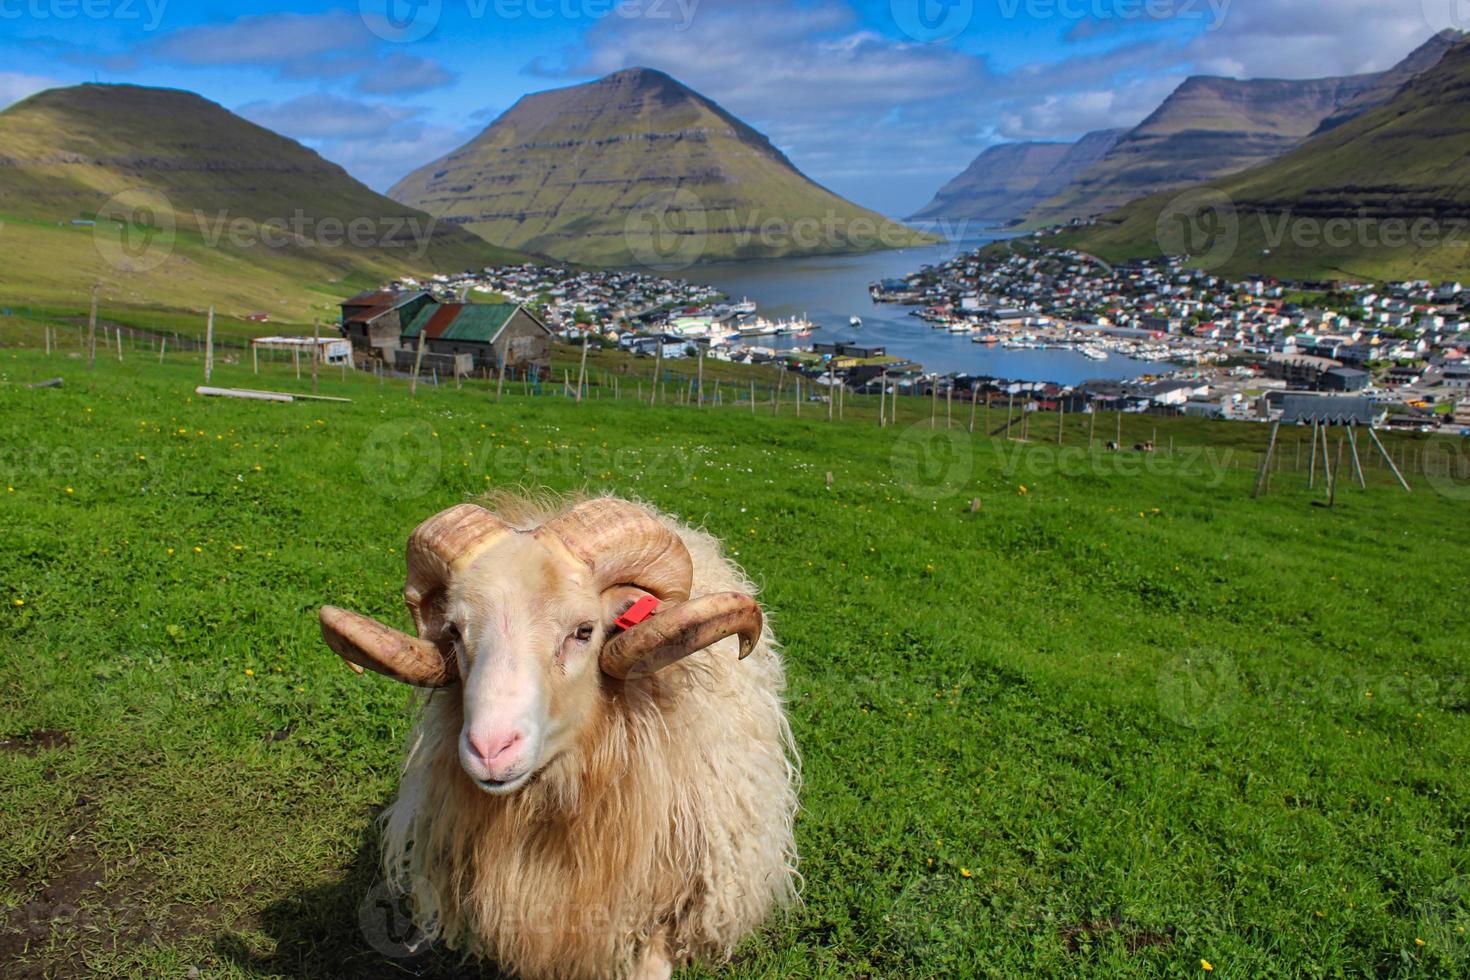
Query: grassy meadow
1119, 719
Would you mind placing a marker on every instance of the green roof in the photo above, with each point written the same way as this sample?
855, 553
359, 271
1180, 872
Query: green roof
456, 321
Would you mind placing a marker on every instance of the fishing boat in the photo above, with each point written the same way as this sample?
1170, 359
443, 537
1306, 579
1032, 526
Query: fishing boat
856, 322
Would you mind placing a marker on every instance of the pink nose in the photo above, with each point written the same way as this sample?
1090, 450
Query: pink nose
497, 750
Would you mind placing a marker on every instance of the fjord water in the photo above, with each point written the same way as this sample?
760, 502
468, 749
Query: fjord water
829, 289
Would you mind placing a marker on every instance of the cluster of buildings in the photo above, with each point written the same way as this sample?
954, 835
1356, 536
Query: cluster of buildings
475, 321
1403, 344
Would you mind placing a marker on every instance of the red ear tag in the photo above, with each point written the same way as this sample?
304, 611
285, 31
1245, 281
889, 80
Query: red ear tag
637, 612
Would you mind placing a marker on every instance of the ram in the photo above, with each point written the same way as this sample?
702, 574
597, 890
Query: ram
581, 796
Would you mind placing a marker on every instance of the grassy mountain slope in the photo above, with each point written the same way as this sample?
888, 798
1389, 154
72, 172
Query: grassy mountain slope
193, 206
1373, 178
636, 168
1211, 127
1005, 181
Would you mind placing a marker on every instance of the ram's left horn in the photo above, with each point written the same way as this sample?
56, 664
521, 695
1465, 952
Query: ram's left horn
676, 631
364, 642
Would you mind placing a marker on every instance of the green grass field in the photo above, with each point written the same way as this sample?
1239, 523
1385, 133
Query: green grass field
1123, 720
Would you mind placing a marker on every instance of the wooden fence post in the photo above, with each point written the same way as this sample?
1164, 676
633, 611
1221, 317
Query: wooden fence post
699, 368
316, 350
418, 359
582, 367
92, 331
209, 345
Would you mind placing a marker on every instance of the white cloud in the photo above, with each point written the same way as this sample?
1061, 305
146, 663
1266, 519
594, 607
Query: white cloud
403, 74
322, 116
15, 86
377, 143
1317, 38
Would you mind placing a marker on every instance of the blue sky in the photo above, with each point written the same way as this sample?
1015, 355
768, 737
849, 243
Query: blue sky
880, 100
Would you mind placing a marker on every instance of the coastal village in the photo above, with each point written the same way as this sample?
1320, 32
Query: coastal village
1224, 349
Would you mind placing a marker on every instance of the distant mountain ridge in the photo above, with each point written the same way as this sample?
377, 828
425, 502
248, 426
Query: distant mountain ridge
1006, 180
1382, 196
1210, 127
162, 193
637, 168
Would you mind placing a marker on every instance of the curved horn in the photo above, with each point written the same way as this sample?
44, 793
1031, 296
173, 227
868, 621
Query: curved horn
673, 634
449, 539
624, 545
364, 642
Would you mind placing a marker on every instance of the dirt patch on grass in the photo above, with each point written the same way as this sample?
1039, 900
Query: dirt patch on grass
1081, 934
33, 743
77, 904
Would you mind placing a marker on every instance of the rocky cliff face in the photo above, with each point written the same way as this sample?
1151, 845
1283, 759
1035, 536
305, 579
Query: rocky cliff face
991, 187
1211, 127
1381, 196
636, 168
1004, 181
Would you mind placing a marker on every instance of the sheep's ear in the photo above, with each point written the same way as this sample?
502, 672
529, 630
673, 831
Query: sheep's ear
364, 642
677, 630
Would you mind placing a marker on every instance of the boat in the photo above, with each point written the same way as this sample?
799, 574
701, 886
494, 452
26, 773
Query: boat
856, 322
1096, 353
743, 308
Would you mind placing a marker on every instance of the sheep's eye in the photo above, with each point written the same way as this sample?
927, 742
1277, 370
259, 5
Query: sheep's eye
583, 633
450, 633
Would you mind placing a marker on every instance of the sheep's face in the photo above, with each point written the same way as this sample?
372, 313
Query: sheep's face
526, 626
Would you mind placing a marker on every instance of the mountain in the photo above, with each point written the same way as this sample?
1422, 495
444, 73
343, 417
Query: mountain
169, 200
1384, 195
1006, 180
638, 169
1210, 127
